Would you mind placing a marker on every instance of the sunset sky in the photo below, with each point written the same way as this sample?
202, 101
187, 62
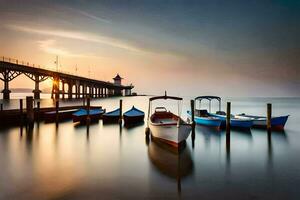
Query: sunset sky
226, 48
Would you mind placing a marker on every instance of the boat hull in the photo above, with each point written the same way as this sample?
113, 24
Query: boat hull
83, 118
110, 119
235, 123
261, 122
62, 115
206, 121
133, 119
171, 134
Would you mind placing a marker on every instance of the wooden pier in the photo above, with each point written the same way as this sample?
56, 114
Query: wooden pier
30, 114
77, 86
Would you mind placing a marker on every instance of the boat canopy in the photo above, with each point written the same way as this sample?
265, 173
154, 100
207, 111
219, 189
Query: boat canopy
208, 98
165, 97
179, 99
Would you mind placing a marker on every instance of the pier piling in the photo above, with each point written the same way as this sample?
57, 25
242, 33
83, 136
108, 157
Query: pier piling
269, 116
29, 112
88, 118
120, 118
193, 122
228, 113
1, 107
193, 113
21, 111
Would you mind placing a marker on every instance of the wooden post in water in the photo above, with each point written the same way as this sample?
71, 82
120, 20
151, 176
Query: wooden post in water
193, 122
56, 110
21, 111
29, 111
269, 116
88, 118
228, 113
193, 112
120, 118
1, 107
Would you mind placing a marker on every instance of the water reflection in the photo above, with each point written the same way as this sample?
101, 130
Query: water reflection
120, 134
208, 133
69, 161
169, 162
280, 136
87, 132
270, 151
228, 151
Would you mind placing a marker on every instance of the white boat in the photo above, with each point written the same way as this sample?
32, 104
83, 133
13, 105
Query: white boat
166, 126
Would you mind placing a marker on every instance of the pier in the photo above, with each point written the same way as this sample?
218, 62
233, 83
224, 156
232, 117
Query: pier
77, 86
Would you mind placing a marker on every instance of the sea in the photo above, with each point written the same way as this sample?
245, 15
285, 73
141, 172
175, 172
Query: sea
71, 161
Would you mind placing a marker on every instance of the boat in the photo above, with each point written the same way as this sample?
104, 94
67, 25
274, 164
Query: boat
81, 115
261, 121
62, 115
112, 116
165, 125
133, 116
202, 117
221, 115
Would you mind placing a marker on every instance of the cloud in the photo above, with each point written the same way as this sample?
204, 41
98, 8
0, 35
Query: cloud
48, 46
99, 19
84, 36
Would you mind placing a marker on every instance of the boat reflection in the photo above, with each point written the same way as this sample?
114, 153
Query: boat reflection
170, 162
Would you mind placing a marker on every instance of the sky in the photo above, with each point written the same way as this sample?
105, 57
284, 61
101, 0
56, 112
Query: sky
187, 47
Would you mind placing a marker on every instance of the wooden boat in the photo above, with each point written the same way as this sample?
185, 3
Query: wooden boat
112, 116
81, 115
261, 121
166, 126
133, 116
62, 115
221, 115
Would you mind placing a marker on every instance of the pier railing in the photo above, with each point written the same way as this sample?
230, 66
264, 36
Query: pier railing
28, 64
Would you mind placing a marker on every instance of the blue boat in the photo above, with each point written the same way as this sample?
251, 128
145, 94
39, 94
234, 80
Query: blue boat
133, 116
112, 116
205, 120
221, 115
81, 115
277, 123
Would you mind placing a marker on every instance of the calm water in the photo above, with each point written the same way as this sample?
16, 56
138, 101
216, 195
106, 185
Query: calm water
113, 162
